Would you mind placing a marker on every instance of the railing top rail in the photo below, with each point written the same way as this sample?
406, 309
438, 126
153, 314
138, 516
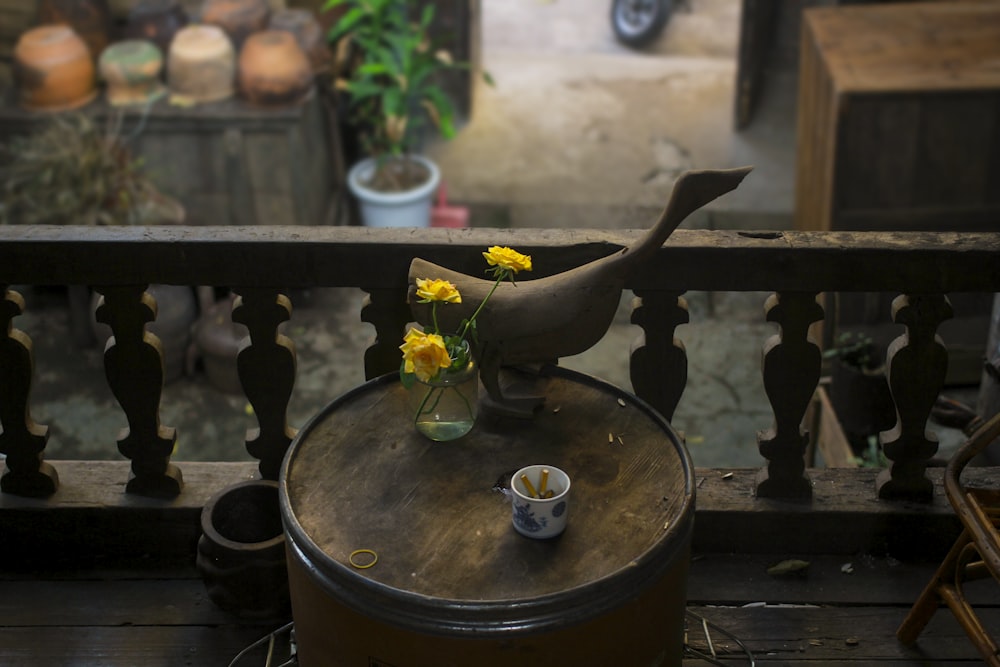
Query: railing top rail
378, 258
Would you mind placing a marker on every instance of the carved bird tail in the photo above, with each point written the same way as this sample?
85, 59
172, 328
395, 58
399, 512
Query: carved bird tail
692, 190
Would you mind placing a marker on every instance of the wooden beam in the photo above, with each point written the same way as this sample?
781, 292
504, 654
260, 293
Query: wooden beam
266, 256
91, 519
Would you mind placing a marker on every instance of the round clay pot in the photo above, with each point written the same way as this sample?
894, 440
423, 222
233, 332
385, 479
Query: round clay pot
241, 552
53, 69
274, 70
217, 342
238, 18
308, 33
90, 19
132, 70
156, 20
201, 65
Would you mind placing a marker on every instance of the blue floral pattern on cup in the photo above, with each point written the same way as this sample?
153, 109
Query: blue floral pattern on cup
525, 518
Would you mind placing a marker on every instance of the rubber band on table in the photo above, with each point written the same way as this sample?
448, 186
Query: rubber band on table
361, 552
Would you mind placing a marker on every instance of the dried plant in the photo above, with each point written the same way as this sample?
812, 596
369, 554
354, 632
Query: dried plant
72, 171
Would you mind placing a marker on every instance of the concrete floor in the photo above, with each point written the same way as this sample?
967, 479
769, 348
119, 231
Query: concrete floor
578, 131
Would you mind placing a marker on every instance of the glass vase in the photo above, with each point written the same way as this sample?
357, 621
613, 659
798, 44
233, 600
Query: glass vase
445, 408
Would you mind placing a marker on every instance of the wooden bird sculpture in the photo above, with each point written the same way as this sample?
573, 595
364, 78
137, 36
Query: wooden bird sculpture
537, 321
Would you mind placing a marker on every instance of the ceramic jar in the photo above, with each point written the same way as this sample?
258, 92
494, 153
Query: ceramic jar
131, 70
238, 18
53, 69
156, 20
201, 65
90, 19
308, 33
241, 552
273, 70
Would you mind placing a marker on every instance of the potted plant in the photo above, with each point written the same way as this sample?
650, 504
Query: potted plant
390, 79
73, 170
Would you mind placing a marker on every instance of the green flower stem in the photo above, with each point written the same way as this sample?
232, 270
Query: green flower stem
468, 322
423, 409
465, 399
423, 403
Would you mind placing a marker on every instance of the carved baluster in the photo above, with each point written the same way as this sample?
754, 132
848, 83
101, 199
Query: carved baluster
266, 366
133, 364
387, 310
22, 440
916, 363
658, 364
791, 367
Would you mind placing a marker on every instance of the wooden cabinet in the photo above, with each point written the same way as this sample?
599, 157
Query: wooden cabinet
899, 117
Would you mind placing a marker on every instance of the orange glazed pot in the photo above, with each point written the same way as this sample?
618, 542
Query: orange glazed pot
274, 70
90, 19
308, 33
53, 69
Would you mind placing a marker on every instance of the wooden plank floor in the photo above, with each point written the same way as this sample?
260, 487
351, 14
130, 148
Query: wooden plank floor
95, 577
821, 617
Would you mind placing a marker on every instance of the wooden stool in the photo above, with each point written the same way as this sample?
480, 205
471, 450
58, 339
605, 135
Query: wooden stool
976, 553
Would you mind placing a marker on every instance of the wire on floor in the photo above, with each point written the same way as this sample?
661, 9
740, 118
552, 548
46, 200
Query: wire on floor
712, 656
269, 639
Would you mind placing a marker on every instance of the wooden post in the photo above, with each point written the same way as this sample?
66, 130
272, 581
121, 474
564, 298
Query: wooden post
22, 440
916, 363
791, 368
989, 387
658, 365
387, 311
133, 364
266, 366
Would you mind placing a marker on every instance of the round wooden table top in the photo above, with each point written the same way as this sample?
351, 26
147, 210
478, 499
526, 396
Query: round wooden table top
358, 476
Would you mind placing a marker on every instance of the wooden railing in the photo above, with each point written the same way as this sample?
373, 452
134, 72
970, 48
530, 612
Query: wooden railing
260, 263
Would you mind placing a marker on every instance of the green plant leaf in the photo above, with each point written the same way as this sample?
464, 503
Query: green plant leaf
427, 17
345, 25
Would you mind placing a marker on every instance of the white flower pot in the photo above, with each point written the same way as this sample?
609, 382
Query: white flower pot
394, 209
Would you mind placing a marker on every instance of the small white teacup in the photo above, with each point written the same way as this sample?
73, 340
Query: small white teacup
534, 516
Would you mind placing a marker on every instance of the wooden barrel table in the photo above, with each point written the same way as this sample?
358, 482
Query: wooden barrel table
454, 583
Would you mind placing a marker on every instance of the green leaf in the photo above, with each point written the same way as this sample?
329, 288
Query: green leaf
392, 102
345, 24
406, 379
373, 68
427, 17
790, 566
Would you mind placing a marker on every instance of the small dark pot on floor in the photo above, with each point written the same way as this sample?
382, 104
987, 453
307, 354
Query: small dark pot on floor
241, 553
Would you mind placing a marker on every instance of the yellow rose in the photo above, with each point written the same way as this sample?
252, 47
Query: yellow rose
437, 290
424, 354
508, 259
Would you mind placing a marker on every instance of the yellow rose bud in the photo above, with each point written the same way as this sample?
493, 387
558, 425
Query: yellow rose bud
424, 354
437, 290
508, 259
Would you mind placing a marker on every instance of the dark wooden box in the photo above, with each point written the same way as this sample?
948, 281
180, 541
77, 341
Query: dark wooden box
899, 117
227, 162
